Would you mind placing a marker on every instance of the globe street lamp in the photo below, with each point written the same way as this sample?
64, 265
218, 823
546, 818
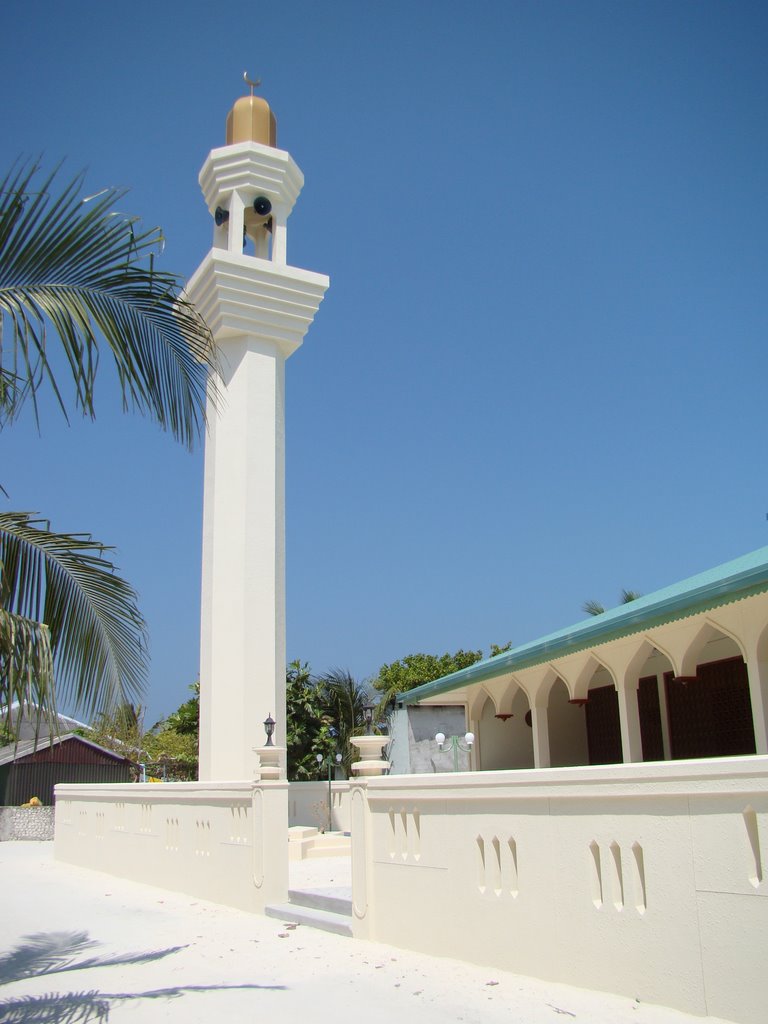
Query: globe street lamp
469, 739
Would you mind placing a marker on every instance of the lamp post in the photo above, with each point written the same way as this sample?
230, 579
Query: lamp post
330, 762
270, 763
469, 739
269, 728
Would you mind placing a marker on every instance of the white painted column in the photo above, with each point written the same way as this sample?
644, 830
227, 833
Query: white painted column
540, 726
243, 621
279, 236
629, 718
757, 672
236, 223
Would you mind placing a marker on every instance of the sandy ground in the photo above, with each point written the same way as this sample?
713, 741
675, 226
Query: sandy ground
77, 945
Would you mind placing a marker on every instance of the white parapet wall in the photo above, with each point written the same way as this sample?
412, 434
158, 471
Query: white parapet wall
308, 805
648, 880
220, 841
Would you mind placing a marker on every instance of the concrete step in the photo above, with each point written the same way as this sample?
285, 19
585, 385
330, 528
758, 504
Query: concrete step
324, 920
298, 832
298, 849
334, 850
320, 901
333, 839
314, 909
305, 842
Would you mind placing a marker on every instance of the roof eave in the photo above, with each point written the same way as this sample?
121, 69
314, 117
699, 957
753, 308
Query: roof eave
634, 617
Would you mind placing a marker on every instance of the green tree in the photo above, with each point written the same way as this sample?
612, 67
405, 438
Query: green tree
121, 730
163, 750
497, 649
171, 745
323, 713
171, 755
185, 720
309, 726
74, 269
415, 669
596, 608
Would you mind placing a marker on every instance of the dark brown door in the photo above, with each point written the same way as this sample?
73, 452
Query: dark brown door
711, 715
650, 719
603, 726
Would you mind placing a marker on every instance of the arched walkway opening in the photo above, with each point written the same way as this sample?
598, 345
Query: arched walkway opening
710, 713
652, 705
567, 728
602, 720
506, 742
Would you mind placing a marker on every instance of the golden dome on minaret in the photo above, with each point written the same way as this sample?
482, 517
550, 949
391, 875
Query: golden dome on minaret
251, 120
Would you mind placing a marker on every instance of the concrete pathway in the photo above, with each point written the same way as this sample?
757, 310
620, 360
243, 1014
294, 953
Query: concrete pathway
329, 876
79, 946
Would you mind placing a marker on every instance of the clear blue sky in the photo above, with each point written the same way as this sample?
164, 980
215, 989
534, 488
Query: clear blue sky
539, 374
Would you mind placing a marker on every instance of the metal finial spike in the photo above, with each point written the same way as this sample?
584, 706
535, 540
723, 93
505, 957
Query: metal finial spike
254, 83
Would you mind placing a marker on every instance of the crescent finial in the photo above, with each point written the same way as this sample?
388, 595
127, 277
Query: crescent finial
254, 83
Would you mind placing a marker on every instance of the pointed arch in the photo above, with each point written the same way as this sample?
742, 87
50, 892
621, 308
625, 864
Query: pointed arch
709, 632
505, 742
567, 728
709, 703
476, 700
542, 692
762, 644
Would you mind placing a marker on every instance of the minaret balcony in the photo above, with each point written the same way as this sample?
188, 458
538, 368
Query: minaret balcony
244, 295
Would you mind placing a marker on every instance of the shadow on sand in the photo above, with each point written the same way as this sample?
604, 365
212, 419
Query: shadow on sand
57, 952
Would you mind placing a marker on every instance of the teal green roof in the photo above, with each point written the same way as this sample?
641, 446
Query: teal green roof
725, 583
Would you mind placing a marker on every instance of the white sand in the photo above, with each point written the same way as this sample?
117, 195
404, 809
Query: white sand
226, 966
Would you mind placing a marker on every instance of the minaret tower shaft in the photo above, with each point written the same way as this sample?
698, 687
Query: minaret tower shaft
259, 309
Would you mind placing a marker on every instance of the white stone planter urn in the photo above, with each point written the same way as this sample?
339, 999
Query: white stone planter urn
371, 762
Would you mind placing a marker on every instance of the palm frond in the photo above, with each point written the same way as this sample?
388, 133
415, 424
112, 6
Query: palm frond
26, 669
76, 265
56, 1008
97, 635
344, 700
42, 953
593, 608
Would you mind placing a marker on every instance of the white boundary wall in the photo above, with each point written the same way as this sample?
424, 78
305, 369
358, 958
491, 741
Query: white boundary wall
648, 880
308, 804
221, 841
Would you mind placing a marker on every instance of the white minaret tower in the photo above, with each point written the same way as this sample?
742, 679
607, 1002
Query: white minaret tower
259, 310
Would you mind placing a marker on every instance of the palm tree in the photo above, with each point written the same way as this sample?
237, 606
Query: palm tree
121, 730
74, 269
596, 608
344, 700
